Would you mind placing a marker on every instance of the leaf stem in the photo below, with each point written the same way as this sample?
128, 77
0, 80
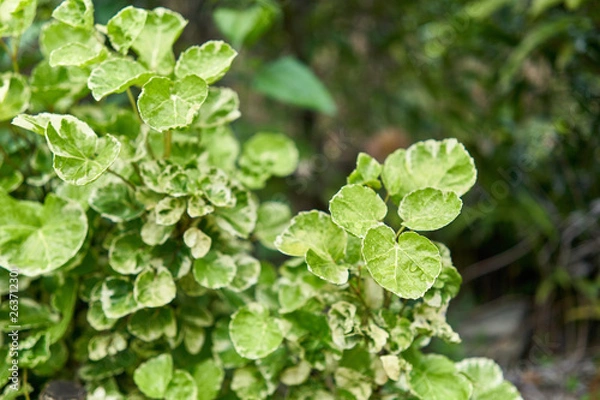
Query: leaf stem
402, 228
13, 54
133, 105
26, 394
121, 177
167, 142
387, 197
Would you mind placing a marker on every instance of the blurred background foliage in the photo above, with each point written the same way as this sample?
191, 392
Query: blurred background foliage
518, 82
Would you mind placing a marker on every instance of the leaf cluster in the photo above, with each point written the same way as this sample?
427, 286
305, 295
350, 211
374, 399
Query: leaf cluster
134, 233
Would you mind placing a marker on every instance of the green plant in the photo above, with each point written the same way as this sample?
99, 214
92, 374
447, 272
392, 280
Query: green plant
133, 231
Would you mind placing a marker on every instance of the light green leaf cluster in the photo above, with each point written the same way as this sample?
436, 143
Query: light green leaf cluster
146, 214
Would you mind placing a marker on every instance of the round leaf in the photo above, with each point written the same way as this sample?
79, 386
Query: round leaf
429, 209
198, 242
182, 386
215, 270
38, 238
210, 61
434, 377
444, 165
313, 235
125, 27
80, 157
272, 153
407, 267
116, 201
253, 332
153, 376
154, 289
357, 208
115, 76
487, 379
117, 298
165, 105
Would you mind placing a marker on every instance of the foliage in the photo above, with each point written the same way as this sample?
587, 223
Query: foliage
135, 234
516, 82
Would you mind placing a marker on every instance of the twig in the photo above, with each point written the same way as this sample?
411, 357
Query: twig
496, 262
125, 180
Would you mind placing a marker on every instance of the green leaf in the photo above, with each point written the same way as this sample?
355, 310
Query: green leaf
169, 210
344, 325
434, 377
14, 95
101, 346
77, 54
57, 88
220, 147
97, 319
77, 13
221, 107
431, 321
245, 26
443, 165
313, 235
165, 104
154, 43
80, 157
208, 376
16, 16
253, 332
272, 219
357, 208
150, 325
210, 61
38, 238
429, 209
154, 234
182, 386
116, 201
214, 271
154, 289
128, 254
240, 219
247, 272
198, 207
407, 267
117, 298
115, 76
124, 28
10, 178
354, 382
291, 82
153, 376
488, 381
249, 384
270, 153
367, 172
56, 35
198, 242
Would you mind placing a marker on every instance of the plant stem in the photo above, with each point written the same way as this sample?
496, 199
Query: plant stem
167, 141
121, 177
25, 385
402, 228
133, 105
13, 54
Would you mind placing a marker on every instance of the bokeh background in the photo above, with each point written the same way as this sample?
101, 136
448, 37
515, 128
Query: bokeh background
516, 81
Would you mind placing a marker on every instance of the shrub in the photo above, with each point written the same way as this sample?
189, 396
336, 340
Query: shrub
133, 231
